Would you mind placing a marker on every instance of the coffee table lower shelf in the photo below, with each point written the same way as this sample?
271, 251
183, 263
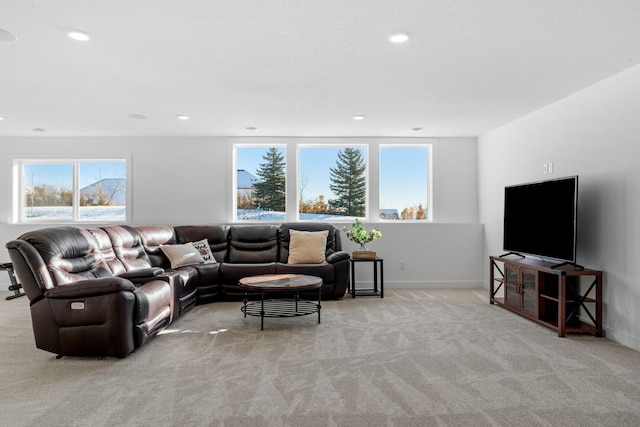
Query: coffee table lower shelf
294, 307
281, 308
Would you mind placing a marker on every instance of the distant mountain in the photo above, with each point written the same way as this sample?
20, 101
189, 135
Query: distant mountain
108, 185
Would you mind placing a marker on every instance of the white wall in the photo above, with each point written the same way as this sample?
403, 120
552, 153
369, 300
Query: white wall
188, 181
595, 134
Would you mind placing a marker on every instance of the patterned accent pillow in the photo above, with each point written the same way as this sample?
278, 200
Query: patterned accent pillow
202, 246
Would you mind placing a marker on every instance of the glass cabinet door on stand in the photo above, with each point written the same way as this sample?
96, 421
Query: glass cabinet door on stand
511, 287
521, 288
529, 281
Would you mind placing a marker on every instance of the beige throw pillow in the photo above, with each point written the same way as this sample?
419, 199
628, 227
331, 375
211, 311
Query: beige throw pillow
307, 247
180, 255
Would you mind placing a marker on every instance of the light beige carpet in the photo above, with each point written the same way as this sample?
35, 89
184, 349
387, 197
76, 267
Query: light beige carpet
414, 358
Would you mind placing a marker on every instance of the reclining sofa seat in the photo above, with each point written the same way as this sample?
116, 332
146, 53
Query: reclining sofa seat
83, 301
106, 291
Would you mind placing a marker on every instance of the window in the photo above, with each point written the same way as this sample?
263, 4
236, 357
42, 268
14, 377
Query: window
404, 182
72, 190
260, 183
332, 182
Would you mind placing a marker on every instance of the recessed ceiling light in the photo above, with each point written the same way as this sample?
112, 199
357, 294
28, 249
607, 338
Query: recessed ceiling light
78, 36
399, 38
1, 118
251, 129
38, 129
358, 117
183, 117
416, 129
137, 116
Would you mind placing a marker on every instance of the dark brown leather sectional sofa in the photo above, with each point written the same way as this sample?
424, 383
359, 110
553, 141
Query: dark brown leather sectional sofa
105, 291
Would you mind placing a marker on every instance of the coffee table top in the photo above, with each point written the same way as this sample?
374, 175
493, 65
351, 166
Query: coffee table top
276, 282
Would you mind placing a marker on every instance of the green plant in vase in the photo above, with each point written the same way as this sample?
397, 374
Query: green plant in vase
358, 234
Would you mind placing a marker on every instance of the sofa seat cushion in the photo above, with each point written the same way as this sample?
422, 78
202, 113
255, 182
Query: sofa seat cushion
207, 273
232, 273
153, 304
189, 279
324, 271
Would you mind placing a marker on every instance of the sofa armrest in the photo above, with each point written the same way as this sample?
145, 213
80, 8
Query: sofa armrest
337, 256
173, 279
142, 273
90, 288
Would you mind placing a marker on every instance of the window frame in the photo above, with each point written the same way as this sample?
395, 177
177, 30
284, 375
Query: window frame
18, 179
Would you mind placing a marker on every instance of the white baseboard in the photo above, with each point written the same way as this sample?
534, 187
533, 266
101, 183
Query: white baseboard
466, 284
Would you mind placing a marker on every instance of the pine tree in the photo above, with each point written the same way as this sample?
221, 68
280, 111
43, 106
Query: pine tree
348, 183
270, 193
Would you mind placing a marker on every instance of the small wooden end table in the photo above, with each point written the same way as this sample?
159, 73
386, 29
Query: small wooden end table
280, 307
377, 263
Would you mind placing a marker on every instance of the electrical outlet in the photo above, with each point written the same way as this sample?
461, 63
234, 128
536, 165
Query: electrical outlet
550, 167
403, 264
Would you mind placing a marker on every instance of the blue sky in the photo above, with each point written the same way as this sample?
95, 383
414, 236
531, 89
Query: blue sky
57, 174
403, 172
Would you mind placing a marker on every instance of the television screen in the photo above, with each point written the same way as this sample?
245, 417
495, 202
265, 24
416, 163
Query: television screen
540, 218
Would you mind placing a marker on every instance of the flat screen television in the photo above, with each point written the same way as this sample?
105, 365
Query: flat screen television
540, 219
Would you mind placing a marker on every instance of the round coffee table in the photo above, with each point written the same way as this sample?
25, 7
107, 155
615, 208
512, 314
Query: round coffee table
280, 307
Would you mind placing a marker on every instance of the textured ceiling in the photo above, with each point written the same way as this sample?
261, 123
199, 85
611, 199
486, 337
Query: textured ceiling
301, 67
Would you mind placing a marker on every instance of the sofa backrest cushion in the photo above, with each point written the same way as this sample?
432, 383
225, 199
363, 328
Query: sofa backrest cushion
152, 236
333, 238
70, 254
253, 244
217, 236
104, 246
128, 247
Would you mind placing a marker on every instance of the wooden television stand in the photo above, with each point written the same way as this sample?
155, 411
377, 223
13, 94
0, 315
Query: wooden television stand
549, 294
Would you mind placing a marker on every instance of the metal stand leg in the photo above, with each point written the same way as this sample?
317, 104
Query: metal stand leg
319, 306
381, 279
262, 311
375, 277
245, 304
352, 285
15, 286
